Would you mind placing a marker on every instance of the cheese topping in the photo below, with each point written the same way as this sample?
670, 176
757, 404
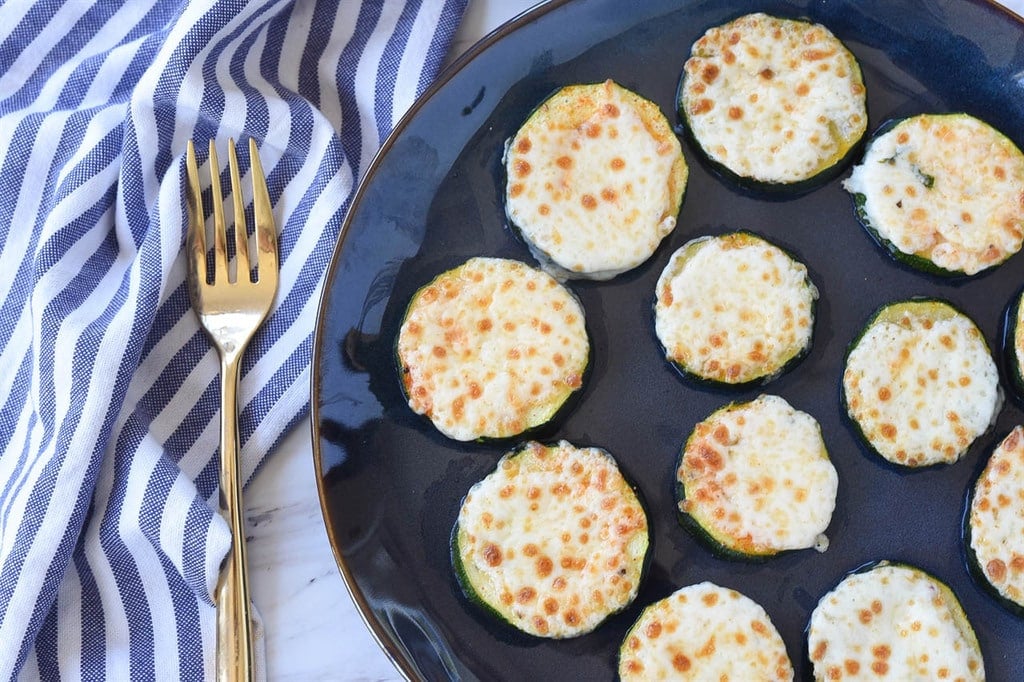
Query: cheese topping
997, 518
554, 539
734, 308
895, 623
704, 632
773, 100
921, 384
491, 348
595, 179
757, 477
947, 188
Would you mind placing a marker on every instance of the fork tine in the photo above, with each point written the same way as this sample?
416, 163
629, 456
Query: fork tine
196, 239
220, 247
241, 235
265, 231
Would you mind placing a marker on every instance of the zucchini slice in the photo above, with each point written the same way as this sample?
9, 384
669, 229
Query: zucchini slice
994, 523
754, 479
1013, 344
775, 104
553, 541
704, 632
491, 348
896, 622
920, 383
734, 310
595, 179
942, 193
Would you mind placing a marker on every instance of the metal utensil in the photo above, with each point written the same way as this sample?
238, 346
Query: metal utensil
231, 306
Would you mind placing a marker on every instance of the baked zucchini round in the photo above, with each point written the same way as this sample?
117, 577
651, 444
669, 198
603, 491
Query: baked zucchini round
892, 621
773, 103
734, 309
491, 348
553, 541
595, 179
994, 523
920, 383
704, 632
754, 479
942, 193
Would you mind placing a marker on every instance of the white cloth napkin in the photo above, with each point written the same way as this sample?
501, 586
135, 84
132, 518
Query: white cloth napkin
109, 540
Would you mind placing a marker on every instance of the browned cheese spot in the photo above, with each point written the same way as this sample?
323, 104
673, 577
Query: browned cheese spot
767, 74
544, 566
589, 202
521, 168
702, 106
492, 555
681, 663
709, 73
564, 162
996, 570
735, 113
524, 145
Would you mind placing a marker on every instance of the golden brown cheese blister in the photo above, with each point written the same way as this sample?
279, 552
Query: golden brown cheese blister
595, 178
553, 541
491, 348
996, 519
704, 632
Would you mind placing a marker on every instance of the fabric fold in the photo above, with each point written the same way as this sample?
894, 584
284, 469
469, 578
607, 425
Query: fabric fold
109, 540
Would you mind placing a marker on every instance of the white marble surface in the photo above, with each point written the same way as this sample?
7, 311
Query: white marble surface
313, 629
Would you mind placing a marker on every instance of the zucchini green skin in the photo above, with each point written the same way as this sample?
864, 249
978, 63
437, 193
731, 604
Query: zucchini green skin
974, 566
473, 596
705, 382
1011, 359
760, 188
911, 260
886, 313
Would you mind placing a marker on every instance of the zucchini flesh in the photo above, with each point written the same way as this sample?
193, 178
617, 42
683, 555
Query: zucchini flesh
1013, 345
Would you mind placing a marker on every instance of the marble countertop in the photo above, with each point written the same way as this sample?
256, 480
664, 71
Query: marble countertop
313, 631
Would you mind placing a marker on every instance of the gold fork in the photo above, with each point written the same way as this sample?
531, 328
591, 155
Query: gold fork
230, 309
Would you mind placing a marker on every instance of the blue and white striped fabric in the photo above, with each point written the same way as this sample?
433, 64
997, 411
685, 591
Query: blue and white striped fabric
109, 545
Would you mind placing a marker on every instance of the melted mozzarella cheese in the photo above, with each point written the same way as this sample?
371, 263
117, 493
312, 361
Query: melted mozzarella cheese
773, 100
997, 518
947, 188
491, 348
595, 179
704, 632
896, 623
922, 387
758, 478
734, 308
554, 539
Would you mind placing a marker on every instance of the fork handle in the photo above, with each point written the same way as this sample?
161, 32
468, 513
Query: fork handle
235, 654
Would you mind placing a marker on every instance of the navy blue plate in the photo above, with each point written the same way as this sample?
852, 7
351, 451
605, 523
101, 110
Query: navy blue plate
391, 485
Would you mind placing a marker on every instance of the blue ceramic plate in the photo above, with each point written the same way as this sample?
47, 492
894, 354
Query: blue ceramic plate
391, 485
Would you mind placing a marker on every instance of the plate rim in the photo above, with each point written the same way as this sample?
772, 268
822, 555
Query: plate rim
391, 648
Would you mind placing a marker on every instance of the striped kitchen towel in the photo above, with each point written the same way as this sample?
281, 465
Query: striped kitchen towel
109, 544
